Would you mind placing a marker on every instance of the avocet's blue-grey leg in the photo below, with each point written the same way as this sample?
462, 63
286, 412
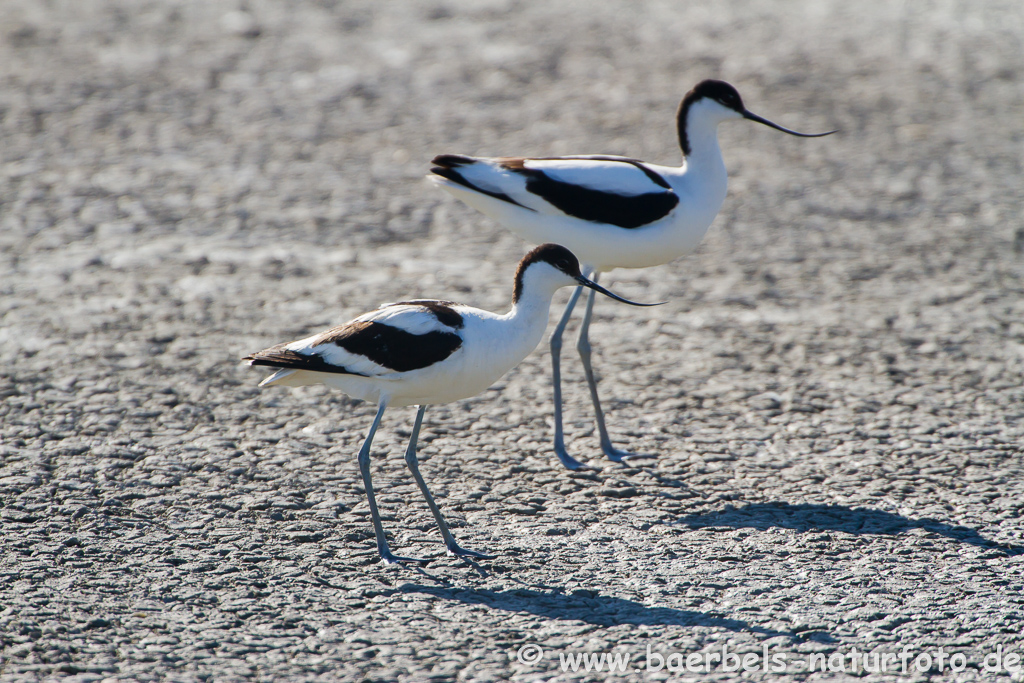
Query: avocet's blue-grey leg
583, 346
364, 467
414, 467
556, 379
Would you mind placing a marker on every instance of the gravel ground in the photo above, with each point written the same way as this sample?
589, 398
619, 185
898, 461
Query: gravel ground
834, 390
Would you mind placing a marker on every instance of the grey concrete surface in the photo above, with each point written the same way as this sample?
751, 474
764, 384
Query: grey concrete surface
834, 390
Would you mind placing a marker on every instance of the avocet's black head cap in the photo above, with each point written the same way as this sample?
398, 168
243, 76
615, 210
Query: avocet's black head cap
716, 91
727, 96
564, 260
555, 254
719, 91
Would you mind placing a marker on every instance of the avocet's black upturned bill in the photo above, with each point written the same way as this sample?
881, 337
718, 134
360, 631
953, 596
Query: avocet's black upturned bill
424, 352
613, 212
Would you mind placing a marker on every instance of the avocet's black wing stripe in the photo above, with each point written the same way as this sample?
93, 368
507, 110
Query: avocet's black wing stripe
282, 357
628, 212
365, 348
618, 191
624, 211
391, 347
456, 177
395, 338
452, 160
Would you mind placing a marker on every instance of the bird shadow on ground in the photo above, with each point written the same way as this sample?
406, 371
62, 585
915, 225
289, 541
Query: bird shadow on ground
858, 521
585, 606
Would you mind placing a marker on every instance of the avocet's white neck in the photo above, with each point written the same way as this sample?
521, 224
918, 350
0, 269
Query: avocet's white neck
704, 165
533, 306
529, 315
699, 135
512, 336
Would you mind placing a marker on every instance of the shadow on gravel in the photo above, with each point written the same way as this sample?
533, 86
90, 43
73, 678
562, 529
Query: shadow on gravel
807, 517
584, 605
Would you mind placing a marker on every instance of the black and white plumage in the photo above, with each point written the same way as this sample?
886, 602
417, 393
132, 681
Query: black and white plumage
395, 339
424, 352
611, 211
602, 189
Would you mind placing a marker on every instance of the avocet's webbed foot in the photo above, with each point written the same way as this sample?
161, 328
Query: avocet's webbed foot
455, 549
570, 462
624, 457
387, 557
